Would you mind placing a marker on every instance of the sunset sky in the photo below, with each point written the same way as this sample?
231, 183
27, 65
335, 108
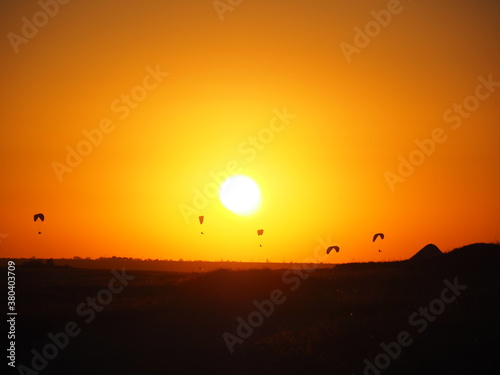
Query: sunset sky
119, 118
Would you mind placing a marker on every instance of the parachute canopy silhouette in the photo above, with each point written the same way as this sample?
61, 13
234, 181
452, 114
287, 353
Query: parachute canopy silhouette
377, 235
260, 232
337, 249
201, 218
38, 216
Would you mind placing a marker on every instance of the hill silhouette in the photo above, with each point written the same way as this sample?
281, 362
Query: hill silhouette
477, 251
427, 252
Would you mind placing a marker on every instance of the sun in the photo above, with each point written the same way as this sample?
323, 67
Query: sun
240, 194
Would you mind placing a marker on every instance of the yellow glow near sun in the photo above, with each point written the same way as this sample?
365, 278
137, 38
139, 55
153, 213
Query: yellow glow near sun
240, 194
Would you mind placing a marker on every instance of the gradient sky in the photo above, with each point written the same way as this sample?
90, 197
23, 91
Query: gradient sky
175, 92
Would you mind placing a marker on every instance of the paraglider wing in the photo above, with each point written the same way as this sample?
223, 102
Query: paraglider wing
376, 235
201, 219
41, 217
337, 249
260, 232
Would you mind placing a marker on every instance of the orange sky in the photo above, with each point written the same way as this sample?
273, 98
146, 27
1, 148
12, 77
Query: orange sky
173, 93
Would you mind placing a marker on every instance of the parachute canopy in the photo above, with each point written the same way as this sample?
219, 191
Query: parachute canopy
377, 235
260, 232
38, 216
337, 249
201, 219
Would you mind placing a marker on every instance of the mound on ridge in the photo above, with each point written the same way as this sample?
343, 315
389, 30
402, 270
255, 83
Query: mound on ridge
427, 252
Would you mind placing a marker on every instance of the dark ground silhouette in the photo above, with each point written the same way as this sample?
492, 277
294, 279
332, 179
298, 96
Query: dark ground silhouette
330, 321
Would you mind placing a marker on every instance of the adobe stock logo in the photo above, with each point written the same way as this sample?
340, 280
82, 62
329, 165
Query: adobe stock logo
3, 235
455, 115
266, 308
121, 106
59, 341
249, 148
419, 319
30, 27
373, 28
223, 6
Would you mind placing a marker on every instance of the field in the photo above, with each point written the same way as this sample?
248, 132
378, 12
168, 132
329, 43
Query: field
438, 316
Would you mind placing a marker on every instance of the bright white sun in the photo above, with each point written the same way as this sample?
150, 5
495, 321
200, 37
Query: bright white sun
240, 194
